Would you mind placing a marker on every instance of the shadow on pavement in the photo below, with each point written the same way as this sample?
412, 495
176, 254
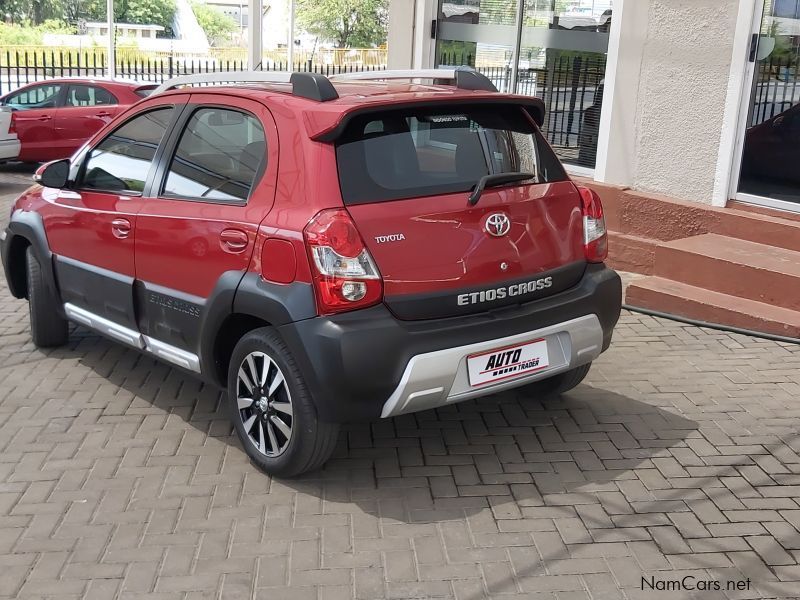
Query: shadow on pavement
504, 451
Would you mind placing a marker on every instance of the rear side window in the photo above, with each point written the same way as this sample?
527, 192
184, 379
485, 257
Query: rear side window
86, 95
218, 156
409, 154
120, 162
38, 96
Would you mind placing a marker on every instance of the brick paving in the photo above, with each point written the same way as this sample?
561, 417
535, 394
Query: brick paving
680, 456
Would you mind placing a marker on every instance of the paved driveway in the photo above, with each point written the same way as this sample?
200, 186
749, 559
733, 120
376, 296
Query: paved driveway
120, 478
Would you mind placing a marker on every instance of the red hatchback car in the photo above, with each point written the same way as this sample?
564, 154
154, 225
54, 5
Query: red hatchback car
325, 250
54, 118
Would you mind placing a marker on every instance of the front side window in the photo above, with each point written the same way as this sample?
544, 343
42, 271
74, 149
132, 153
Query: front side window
86, 95
38, 96
120, 162
218, 156
409, 154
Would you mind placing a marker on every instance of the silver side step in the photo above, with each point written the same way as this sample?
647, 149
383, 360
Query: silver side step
169, 353
176, 356
104, 326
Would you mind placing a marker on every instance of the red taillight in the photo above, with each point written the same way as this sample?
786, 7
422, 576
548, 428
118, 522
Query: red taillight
345, 276
12, 126
595, 236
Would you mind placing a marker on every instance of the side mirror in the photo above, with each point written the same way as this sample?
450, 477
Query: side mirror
53, 174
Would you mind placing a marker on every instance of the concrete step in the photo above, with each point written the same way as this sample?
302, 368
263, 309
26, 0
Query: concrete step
772, 230
764, 210
659, 218
732, 266
631, 253
693, 302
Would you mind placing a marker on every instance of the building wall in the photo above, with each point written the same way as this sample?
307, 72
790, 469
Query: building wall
682, 94
401, 34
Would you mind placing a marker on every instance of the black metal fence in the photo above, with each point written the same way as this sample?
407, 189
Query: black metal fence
571, 85
20, 68
777, 87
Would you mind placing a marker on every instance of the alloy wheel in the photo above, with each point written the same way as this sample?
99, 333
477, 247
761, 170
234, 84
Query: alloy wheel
265, 404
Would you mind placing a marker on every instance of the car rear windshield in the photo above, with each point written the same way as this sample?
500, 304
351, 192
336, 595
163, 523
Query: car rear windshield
144, 92
401, 154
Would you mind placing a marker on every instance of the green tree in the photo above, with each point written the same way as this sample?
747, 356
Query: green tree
146, 12
31, 11
136, 12
217, 25
347, 23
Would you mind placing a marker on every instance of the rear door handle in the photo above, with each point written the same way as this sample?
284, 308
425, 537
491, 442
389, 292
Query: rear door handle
233, 240
44, 118
121, 228
103, 114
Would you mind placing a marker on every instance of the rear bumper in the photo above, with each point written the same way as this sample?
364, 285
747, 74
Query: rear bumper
9, 149
438, 378
368, 364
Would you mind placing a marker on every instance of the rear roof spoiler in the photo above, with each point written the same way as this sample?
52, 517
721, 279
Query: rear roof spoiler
533, 106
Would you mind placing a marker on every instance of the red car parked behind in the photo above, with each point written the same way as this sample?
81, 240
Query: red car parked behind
54, 118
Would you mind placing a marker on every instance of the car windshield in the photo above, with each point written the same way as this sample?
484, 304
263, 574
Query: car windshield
412, 153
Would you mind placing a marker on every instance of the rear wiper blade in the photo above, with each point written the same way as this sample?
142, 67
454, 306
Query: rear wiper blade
488, 181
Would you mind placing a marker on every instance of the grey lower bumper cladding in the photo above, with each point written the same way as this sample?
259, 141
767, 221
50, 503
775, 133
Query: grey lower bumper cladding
439, 378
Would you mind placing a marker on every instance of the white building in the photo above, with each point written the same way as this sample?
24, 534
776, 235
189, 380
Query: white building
128, 30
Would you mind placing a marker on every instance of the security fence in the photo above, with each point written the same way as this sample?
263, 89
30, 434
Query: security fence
571, 85
777, 87
18, 68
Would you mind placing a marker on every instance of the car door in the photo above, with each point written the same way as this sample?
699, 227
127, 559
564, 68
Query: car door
91, 226
200, 223
86, 110
35, 108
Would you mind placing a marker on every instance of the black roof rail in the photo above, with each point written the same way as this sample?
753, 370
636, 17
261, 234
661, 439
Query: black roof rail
318, 87
313, 86
468, 78
465, 78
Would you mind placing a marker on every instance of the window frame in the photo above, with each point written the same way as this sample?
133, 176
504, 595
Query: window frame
171, 149
86, 85
79, 177
60, 96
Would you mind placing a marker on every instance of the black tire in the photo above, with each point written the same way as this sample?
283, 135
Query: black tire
558, 384
48, 327
310, 443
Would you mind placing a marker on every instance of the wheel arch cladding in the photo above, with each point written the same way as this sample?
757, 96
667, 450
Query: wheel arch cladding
27, 229
233, 329
15, 265
241, 303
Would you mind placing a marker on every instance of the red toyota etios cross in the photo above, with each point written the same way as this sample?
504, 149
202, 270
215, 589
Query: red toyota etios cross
327, 250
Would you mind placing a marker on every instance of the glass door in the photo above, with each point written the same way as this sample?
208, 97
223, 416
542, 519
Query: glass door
479, 33
770, 167
553, 49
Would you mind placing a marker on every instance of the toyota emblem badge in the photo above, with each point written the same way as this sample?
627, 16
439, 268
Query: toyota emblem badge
497, 224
